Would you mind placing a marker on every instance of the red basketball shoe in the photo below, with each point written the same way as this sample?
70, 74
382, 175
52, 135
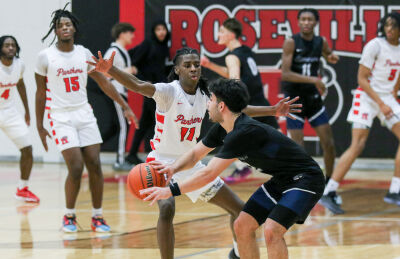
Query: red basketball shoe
25, 194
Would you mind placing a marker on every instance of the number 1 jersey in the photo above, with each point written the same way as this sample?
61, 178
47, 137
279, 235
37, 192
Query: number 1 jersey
66, 74
178, 119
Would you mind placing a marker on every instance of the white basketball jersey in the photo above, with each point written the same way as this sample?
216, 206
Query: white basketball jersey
178, 129
8, 82
384, 61
66, 78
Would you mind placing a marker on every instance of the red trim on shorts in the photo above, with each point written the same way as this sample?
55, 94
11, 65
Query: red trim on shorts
47, 89
48, 98
54, 132
47, 108
152, 145
157, 139
358, 96
160, 118
149, 159
356, 112
357, 104
51, 124
160, 130
359, 89
48, 116
57, 141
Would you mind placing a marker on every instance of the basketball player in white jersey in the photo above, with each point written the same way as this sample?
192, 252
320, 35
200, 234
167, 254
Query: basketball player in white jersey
72, 122
378, 78
180, 109
11, 121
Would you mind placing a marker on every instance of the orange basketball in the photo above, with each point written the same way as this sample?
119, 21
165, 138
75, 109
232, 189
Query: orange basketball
143, 176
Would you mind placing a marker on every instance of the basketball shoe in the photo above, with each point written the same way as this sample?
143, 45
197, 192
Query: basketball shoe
332, 202
99, 224
392, 198
69, 224
25, 194
232, 255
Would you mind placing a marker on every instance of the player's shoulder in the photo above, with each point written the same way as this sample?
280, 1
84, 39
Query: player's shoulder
378, 41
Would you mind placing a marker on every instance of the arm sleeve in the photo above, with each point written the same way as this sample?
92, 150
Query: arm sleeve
164, 96
214, 137
369, 54
41, 64
89, 58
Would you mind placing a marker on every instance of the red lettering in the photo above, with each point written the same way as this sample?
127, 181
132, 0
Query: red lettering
343, 43
269, 37
246, 16
184, 25
207, 30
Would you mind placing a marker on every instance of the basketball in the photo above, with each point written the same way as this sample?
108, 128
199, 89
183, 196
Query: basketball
143, 176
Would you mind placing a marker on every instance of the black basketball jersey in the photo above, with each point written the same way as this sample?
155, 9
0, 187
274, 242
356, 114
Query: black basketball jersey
249, 74
305, 61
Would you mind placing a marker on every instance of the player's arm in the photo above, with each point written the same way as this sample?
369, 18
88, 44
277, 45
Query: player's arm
328, 53
108, 88
202, 177
283, 108
40, 104
396, 88
363, 76
186, 161
233, 65
129, 81
220, 70
22, 93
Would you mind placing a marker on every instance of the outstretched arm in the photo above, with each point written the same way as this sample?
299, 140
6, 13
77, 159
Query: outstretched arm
283, 108
129, 81
220, 70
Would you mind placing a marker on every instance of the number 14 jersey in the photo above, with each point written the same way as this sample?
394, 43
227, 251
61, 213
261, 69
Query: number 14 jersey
178, 119
66, 74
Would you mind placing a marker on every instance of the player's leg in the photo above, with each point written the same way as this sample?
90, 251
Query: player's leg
165, 228
26, 162
120, 164
324, 132
276, 245
225, 198
245, 229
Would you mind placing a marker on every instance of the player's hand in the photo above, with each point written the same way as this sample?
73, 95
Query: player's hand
204, 61
286, 106
162, 168
100, 64
131, 117
156, 193
27, 119
386, 110
332, 58
42, 134
320, 86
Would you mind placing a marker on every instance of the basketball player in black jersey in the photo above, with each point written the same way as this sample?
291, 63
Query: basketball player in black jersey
300, 64
240, 64
287, 198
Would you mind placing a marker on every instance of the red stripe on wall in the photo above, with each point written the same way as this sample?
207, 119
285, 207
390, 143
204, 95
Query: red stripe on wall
132, 11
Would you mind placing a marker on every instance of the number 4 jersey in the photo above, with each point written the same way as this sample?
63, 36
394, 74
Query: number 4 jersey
9, 77
66, 74
178, 119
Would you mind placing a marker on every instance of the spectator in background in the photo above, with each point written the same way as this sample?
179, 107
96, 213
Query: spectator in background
150, 58
122, 34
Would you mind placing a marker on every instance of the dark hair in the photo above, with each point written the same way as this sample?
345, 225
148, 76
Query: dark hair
309, 10
381, 25
232, 92
202, 84
57, 14
119, 28
3, 38
234, 26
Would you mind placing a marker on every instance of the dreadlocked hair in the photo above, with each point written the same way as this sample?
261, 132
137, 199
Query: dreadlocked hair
203, 82
3, 38
57, 14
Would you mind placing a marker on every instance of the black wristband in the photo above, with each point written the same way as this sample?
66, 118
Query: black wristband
174, 189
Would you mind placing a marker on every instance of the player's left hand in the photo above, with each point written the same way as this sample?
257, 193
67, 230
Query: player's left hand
27, 119
286, 106
131, 117
101, 65
156, 193
333, 59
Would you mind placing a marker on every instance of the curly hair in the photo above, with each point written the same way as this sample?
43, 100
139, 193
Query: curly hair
232, 92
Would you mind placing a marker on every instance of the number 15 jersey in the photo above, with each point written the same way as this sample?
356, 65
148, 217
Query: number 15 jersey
178, 119
66, 74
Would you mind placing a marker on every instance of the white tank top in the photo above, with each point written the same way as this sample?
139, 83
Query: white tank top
178, 129
384, 61
9, 77
66, 78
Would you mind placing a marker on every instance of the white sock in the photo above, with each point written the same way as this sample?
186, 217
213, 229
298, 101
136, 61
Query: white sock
22, 184
235, 248
395, 185
332, 186
97, 212
70, 211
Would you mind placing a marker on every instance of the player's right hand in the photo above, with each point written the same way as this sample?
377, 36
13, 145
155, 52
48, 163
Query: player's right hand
42, 134
320, 87
100, 64
386, 110
204, 61
162, 168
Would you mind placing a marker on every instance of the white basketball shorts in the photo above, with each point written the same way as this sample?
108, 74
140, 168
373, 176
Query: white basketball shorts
14, 126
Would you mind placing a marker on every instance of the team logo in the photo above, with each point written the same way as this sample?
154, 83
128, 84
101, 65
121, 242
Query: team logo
64, 140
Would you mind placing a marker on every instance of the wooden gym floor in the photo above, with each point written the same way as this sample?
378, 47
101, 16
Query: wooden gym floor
369, 229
